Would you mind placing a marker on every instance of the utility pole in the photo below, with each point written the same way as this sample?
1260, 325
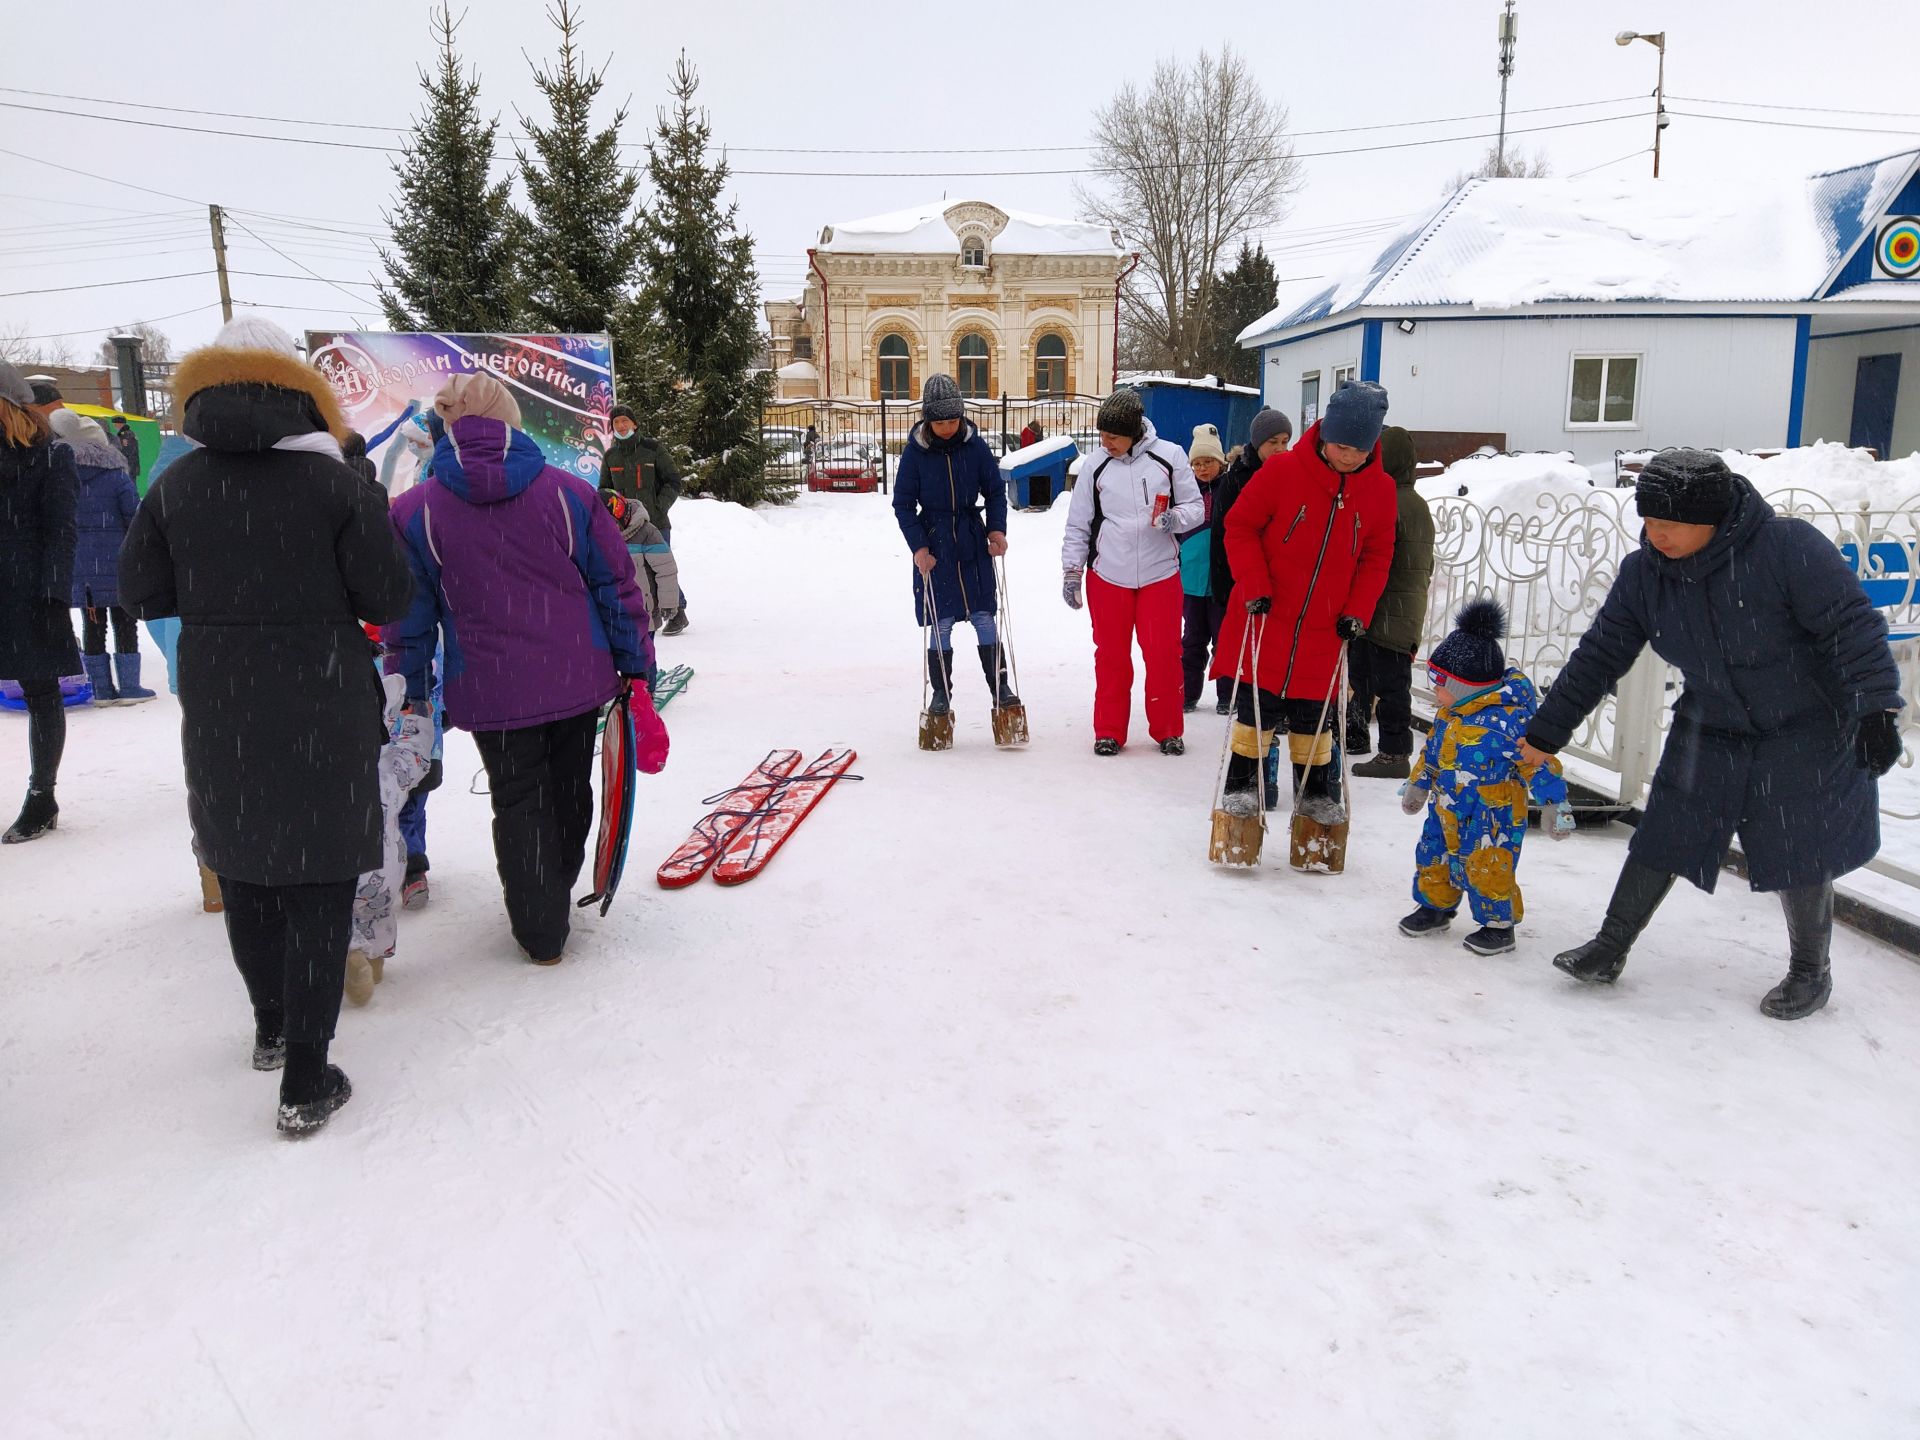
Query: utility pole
1659, 102
1509, 33
220, 260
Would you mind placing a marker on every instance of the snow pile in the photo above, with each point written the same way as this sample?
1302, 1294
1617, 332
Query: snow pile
1011, 462
1511, 481
1846, 478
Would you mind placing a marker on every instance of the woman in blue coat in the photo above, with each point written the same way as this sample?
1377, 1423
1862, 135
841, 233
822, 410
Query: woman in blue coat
104, 509
1788, 719
947, 477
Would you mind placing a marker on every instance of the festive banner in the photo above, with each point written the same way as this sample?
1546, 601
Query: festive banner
386, 382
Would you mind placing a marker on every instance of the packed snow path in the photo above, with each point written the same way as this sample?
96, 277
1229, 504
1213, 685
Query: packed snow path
989, 1110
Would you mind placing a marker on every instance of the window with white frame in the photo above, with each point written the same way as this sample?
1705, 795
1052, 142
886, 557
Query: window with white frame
1604, 392
1309, 398
973, 252
1344, 375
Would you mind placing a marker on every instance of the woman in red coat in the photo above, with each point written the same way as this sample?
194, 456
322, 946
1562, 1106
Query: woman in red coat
1310, 542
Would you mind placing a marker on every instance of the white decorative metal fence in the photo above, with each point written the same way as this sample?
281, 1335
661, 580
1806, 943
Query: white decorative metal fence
1552, 560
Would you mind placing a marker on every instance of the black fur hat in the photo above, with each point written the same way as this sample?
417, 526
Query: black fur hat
1472, 652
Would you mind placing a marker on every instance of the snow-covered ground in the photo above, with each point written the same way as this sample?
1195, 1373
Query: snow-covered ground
989, 1110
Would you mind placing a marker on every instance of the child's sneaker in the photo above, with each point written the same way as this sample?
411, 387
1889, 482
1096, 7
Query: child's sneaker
413, 894
1490, 940
1426, 921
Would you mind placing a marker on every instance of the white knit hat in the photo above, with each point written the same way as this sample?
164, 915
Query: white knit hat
1206, 445
255, 332
75, 428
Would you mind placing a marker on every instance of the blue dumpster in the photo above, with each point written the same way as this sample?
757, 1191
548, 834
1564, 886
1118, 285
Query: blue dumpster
1038, 473
1176, 406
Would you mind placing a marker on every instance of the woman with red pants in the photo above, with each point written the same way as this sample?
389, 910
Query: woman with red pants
1133, 495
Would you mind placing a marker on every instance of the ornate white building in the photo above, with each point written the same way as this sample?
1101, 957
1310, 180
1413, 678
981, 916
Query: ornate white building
1004, 302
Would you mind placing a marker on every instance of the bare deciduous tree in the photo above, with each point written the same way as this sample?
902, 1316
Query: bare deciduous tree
1190, 167
1518, 165
155, 348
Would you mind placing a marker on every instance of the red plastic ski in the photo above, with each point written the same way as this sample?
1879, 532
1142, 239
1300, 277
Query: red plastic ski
756, 842
744, 802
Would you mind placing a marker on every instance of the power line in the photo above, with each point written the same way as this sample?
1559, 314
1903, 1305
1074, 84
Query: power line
1805, 109
103, 179
93, 329
1793, 124
104, 284
1605, 163
83, 205
198, 129
270, 275
636, 145
299, 263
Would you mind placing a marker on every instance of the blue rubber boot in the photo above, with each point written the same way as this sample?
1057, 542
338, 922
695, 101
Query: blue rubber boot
132, 692
100, 675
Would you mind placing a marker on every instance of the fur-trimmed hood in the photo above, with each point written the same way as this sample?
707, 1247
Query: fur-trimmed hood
95, 454
288, 396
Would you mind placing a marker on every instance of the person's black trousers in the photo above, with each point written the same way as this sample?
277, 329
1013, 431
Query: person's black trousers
1382, 682
1200, 621
541, 778
93, 630
290, 945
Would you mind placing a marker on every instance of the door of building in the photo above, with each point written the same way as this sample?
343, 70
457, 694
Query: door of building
1876, 387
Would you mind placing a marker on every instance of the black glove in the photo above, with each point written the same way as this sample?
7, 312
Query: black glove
1348, 628
1876, 744
1260, 606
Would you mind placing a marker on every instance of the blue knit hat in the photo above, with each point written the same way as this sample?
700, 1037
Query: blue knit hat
1472, 652
1355, 416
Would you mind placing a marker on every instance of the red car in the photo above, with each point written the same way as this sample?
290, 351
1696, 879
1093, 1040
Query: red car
846, 466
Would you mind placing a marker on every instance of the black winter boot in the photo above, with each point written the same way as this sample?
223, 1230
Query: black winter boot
310, 1089
1240, 794
940, 678
1809, 974
39, 815
994, 664
1426, 921
269, 1042
1636, 895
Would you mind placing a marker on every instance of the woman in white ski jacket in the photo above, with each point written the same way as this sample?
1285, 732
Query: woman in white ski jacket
1133, 495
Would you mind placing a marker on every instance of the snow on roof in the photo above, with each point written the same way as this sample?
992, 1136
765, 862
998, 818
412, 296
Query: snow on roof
798, 370
1039, 450
926, 230
1502, 244
1193, 382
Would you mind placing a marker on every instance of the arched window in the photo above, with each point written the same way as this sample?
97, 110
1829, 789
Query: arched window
1050, 366
896, 369
973, 252
976, 380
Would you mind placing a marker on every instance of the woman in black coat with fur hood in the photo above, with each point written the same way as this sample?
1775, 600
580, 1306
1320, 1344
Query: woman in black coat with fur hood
272, 553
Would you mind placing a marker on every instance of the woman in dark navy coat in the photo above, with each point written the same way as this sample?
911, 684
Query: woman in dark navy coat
947, 479
1788, 719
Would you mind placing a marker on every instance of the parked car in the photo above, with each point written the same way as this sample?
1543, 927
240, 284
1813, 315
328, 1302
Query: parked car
847, 465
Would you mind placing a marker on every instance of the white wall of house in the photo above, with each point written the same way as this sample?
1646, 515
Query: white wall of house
1287, 367
1719, 381
1831, 367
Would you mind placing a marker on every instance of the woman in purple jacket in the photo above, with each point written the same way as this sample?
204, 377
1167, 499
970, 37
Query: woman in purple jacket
526, 575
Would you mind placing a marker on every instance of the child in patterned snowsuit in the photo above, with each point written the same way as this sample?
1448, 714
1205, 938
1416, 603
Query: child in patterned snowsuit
404, 761
1475, 787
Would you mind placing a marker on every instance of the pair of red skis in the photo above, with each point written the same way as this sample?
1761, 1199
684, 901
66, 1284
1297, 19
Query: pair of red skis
750, 822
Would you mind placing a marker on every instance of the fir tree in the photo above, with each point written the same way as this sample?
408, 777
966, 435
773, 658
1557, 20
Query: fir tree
1239, 297
695, 326
452, 266
580, 196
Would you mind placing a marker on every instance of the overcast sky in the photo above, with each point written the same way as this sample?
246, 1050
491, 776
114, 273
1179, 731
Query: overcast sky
854, 76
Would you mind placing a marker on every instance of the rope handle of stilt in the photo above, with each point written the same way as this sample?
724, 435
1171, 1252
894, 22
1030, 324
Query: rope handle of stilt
929, 627
1005, 628
1256, 629
1339, 674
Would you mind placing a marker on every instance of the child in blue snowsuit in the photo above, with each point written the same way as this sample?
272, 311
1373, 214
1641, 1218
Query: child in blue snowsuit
1475, 787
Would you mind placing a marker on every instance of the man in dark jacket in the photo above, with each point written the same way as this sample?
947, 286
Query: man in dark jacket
273, 553
642, 469
1272, 432
1787, 721
128, 443
1382, 662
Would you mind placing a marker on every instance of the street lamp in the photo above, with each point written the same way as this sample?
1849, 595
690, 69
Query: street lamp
1659, 42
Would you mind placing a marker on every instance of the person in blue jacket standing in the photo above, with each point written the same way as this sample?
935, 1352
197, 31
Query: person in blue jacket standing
1788, 719
103, 511
951, 501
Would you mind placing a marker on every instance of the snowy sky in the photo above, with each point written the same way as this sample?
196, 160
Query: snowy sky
891, 76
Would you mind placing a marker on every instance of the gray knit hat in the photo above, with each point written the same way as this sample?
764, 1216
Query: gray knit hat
1690, 487
940, 399
1266, 425
14, 386
1122, 414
